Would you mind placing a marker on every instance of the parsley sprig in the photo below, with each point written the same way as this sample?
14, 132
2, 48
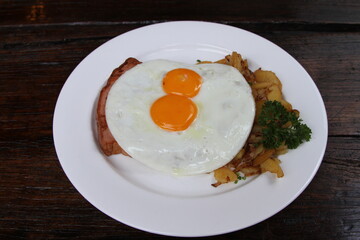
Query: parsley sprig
274, 120
239, 177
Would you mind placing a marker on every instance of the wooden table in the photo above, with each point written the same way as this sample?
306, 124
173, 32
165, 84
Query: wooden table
42, 41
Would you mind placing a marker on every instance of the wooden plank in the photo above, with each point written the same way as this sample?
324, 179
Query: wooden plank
42, 41
37, 199
46, 56
46, 11
39, 202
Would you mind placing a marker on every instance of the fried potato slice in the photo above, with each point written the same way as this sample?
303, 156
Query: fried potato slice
254, 159
272, 165
286, 105
263, 157
224, 175
240, 154
274, 94
267, 76
281, 150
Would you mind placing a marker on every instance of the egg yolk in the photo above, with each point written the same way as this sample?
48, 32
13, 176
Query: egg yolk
173, 112
182, 81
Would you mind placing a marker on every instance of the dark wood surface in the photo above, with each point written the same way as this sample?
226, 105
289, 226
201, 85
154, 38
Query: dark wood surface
43, 41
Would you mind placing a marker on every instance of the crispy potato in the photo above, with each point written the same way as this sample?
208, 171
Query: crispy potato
224, 175
297, 113
263, 157
274, 94
259, 149
240, 154
236, 160
281, 150
267, 76
254, 159
286, 105
235, 61
272, 165
260, 94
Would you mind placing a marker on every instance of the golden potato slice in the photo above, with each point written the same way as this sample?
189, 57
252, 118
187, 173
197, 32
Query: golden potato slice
224, 175
286, 105
297, 113
267, 76
274, 94
263, 157
240, 154
281, 150
235, 60
272, 165
260, 94
259, 149
255, 159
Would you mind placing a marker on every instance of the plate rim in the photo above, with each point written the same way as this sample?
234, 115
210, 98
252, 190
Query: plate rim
59, 154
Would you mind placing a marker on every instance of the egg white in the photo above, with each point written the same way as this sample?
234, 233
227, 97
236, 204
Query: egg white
226, 111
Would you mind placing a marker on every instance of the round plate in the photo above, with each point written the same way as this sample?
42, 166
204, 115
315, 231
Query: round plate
182, 206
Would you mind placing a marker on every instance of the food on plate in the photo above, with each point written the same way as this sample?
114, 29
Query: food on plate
175, 111
189, 119
193, 123
106, 140
276, 129
280, 126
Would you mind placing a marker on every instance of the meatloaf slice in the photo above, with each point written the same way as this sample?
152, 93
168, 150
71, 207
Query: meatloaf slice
106, 140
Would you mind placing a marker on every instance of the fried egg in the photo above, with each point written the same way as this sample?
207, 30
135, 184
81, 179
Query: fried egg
181, 126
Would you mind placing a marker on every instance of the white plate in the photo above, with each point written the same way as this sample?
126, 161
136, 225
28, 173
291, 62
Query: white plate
182, 206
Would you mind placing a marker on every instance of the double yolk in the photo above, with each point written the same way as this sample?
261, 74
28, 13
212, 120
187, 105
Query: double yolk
176, 111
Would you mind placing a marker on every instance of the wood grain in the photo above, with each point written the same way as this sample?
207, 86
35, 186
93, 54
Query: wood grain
48, 56
39, 202
42, 41
46, 11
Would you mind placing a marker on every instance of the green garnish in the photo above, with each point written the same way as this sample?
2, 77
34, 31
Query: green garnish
239, 177
199, 61
273, 118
